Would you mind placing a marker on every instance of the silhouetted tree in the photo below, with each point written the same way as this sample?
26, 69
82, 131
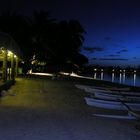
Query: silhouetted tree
68, 39
42, 26
44, 38
18, 27
55, 42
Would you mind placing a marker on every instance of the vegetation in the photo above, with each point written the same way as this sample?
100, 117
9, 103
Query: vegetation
44, 40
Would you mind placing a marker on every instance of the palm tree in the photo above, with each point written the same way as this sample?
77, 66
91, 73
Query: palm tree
41, 34
18, 27
68, 40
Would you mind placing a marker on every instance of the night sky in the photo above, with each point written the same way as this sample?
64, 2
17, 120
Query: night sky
112, 26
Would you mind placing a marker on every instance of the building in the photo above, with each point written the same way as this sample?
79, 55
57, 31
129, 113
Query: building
10, 55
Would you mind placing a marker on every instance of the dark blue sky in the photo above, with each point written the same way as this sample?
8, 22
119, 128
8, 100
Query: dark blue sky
112, 26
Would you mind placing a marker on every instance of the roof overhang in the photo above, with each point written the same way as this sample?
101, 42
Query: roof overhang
6, 41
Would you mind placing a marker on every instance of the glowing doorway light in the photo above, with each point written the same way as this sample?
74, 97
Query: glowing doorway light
9, 53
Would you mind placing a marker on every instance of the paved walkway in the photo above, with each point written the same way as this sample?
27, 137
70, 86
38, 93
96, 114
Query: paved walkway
45, 109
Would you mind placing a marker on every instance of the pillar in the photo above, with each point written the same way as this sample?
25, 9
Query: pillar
4, 65
12, 67
16, 70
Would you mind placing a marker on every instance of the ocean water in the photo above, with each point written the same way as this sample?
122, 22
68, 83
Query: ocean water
132, 79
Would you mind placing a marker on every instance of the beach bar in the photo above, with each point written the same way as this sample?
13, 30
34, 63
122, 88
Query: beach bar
9, 57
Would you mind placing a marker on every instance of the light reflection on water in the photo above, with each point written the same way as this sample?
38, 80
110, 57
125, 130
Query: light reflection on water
102, 75
122, 78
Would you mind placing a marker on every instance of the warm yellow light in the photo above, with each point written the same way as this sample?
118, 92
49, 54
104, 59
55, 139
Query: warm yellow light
9, 53
15, 56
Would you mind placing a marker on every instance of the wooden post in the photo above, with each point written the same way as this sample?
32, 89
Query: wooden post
12, 67
5, 65
16, 70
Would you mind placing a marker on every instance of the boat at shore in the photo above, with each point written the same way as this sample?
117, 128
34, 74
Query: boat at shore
106, 89
109, 91
113, 92
113, 104
129, 96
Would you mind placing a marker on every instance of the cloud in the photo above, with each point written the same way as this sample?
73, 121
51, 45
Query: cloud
94, 58
116, 45
113, 55
108, 38
116, 59
136, 58
94, 49
138, 47
121, 51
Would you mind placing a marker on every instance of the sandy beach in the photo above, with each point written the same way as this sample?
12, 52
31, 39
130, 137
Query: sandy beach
40, 108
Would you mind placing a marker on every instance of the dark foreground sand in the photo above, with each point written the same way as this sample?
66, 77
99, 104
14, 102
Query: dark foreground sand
44, 109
